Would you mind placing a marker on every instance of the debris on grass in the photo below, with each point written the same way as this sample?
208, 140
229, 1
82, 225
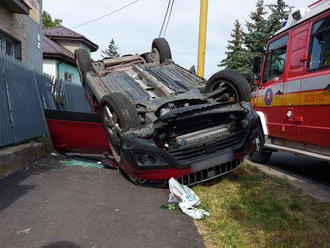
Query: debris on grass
170, 206
186, 199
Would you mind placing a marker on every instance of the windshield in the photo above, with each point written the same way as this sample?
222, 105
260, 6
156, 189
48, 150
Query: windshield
275, 59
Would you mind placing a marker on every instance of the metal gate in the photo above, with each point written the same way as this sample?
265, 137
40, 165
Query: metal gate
21, 104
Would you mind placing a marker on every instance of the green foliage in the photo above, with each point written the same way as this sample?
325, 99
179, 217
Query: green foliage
47, 20
236, 53
246, 45
170, 206
111, 51
279, 13
257, 30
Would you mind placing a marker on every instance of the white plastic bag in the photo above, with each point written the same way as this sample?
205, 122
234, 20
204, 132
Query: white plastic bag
186, 198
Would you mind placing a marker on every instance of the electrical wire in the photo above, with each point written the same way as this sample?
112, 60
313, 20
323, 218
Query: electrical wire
169, 17
165, 17
106, 15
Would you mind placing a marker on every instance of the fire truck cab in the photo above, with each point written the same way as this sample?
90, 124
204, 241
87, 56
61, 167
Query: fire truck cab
292, 97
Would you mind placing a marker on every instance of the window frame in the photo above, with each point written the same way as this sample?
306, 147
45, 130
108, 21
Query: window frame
311, 36
16, 45
69, 75
270, 53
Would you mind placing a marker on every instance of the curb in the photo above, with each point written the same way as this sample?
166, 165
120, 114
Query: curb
17, 157
309, 187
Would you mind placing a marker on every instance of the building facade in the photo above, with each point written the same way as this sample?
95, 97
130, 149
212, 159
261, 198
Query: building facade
21, 31
58, 52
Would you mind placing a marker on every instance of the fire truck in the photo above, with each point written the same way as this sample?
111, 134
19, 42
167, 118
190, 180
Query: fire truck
292, 97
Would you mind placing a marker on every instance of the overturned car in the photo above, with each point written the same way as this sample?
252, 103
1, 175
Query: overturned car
164, 121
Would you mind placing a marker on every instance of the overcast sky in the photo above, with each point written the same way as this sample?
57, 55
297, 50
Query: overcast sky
135, 27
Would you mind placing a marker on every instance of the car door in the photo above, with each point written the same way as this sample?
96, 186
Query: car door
272, 88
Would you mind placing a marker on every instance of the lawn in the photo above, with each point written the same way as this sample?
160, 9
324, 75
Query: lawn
250, 209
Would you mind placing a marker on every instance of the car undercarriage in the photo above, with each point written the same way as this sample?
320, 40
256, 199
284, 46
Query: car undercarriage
164, 121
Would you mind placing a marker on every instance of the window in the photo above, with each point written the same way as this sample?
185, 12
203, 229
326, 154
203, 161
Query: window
68, 76
275, 59
10, 46
320, 45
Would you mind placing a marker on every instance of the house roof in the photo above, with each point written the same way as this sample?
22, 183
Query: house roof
62, 33
52, 50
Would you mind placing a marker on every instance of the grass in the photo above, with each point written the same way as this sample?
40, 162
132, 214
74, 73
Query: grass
250, 209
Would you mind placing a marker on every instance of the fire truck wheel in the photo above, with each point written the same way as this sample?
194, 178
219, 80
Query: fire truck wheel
84, 63
231, 85
259, 154
119, 115
163, 49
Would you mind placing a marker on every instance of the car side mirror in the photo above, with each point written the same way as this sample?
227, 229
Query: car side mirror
256, 65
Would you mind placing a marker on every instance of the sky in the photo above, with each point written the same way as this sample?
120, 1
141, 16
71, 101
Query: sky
134, 28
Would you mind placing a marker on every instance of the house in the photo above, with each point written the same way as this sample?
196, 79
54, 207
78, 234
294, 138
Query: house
58, 52
21, 31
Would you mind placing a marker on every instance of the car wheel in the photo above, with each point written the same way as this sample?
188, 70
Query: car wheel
84, 63
230, 85
163, 49
259, 154
119, 115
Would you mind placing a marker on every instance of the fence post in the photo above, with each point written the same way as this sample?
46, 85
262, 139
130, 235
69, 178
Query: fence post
10, 137
40, 104
66, 96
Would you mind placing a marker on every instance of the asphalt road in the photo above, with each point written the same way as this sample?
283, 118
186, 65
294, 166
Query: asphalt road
50, 206
303, 166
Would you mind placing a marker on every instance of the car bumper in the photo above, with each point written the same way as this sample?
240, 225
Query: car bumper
189, 171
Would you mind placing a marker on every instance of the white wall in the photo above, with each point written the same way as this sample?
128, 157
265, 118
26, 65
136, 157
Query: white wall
49, 67
70, 45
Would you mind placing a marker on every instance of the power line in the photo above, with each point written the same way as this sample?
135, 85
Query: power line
106, 15
165, 17
169, 17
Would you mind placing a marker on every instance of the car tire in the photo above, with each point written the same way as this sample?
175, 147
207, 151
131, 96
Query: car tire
84, 63
232, 78
118, 115
163, 48
259, 154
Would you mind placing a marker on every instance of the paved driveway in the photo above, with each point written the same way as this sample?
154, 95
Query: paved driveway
51, 206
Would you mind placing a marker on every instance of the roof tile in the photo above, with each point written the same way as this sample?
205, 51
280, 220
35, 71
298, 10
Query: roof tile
60, 32
50, 47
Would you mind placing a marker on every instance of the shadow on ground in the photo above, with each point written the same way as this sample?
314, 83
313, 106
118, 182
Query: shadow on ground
88, 206
13, 186
61, 244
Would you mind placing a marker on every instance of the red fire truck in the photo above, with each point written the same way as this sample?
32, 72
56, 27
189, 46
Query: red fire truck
293, 94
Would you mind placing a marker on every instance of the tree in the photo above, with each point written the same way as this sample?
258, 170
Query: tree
246, 45
236, 53
279, 13
111, 51
257, 35
47, 20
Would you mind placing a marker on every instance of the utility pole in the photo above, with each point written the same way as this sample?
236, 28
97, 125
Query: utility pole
202, 38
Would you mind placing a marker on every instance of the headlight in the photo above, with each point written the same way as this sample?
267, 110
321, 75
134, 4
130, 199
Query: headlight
149, 159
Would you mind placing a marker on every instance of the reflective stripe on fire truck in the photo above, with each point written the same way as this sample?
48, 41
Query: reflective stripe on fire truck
308, 91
